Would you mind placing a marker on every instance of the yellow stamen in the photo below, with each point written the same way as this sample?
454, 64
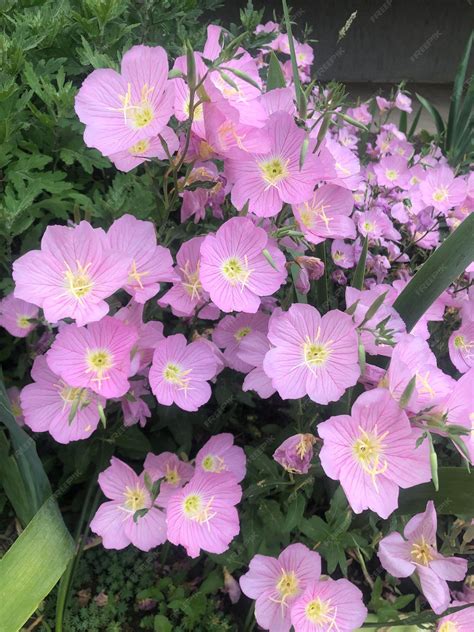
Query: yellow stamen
422, 552
139, 148
236, 271
368, 451
440, 194
192, 284
172, 477
174, 374
213, 463
78, 283
135, 499
134, 275
274, 170
320, 612
287, 587
99, 361
194, 509
23, 321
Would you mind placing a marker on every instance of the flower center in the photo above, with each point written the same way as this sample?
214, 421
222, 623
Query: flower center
172, 477
78, 282
137, 115
274, 170
136, 276
135, 499
70, 394
448, 626
213, 463
139, 148
99, 361
460, 342
23, 321
305, 443
191, 283
368, 226
287, 586
174, 374
391, 174
440, 194
242, 332
194, 509
316, 353
368, 451
236, 271
319, 611
422, 552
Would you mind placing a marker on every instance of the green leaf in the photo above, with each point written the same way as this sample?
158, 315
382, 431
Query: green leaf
162, 624
451, 131
294, 512
33, 565
443, 266
455, 495
408, 392
300, 96
438, 119
414, 123
242, 75
358, 278
275, 77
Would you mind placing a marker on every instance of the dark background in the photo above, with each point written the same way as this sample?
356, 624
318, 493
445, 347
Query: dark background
382, 43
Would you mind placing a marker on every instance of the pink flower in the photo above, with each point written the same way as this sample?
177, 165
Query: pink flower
150, 263
172, 472
461, 347
16, 316
342, 254
403, 102
459, 409
295, 453
180, 372
346, 164
234, 269
135, 410
442, 190
276, 584
232, 330
219, 454
252, 351
95, 357
416, 552
326, 214
117, 521
47, 404
267, 180
327, 606
72, 274
187, 293
383, 104
391, 171
373, 453
143, 150
122, 110
202, 515
313, 355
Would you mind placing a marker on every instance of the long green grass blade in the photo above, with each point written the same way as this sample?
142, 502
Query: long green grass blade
438, 119
435, 275
358, 278
32, 566
451, 131
300, 96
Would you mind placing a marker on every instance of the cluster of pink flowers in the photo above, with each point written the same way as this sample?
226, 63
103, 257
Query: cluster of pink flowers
272, 188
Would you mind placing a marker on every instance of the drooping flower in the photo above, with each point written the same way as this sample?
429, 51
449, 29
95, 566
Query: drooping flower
180, 372
49, 402
129, 517
252, 351
17, 316
267, 180
232, 330
122, 110
441, 189
403, 102
295, 453
134, 408
219, 454
313, 355
326, 214
373, 453
461, 347
172, 472
329, 606
234, 269
72, 274
202, 515
416, 552
187, 293
151, 264
275, 584
95, 357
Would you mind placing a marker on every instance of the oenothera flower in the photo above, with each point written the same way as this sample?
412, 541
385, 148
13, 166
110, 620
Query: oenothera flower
129, 517
392, 171
326, 214
313, 355
373, 453
252, 351
202, 515
180, 372
461, 347
275, 584
187, 293
416, 552
267, 180
234, 269
219, 454
329, 606
170, 471
145, 149
232, 331
151, 264
121, 111
95, 357
295, 453
49, 403
457, 621
72, 274
16, 316
442, 190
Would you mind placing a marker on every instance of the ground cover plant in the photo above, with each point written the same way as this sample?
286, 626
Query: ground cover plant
237, 332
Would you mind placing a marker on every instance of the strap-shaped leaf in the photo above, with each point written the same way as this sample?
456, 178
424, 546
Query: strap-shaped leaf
275, 78
435, 275
33, 565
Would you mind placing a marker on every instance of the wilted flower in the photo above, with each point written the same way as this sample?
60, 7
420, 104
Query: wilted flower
295, 453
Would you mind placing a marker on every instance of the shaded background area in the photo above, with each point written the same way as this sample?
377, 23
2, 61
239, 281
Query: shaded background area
418, 41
